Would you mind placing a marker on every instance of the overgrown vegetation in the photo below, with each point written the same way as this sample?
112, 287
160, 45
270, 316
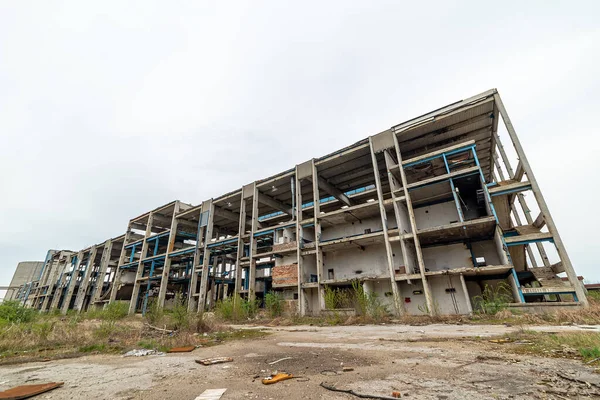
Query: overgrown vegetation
236, 309
12, 312
366, 305
583, 345
493, 299
274, 304
26, 335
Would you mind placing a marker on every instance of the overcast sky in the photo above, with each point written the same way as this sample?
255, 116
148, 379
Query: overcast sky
107, 112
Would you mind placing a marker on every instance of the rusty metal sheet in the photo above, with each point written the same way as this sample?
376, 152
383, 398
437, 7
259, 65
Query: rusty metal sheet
26, 391
184, 349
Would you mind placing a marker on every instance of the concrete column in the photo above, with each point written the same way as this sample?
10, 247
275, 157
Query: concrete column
97, 289
317, 223
399, 223
560, 247
140, 268
413, 223
167, 267
83, 286
71, 284
467, 297
240, 249
253, 244
116, 284
210, 207
51, 281
301, 295
192, 303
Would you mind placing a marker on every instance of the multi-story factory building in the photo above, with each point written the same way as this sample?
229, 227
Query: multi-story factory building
425, 214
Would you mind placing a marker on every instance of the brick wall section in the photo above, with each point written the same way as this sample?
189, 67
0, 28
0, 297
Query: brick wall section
284, 246
285, 275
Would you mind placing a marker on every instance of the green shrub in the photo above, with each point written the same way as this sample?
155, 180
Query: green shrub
235, 308
115, 311
367, 304
493, 298
154, 313
338, 298
179, 313
590, 353
13, 312
106, 329
274, 304
330, 297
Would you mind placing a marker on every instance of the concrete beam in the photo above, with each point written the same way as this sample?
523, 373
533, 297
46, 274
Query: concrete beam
276, 204
335, 192
230, 215
539, 221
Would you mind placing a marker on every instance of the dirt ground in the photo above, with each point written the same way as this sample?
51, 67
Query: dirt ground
422, 362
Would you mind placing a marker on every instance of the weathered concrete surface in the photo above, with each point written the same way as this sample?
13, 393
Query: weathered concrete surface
25, 272
422, 362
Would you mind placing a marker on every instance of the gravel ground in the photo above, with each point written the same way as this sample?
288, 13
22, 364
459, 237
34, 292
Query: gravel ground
422, 362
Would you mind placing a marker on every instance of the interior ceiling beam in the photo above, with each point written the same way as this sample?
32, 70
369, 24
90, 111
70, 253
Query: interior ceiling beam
351, 174
437, 117
410, 149
166, 220
334, 191
276, 204
329, 171
461, 129
223, 213
484, 118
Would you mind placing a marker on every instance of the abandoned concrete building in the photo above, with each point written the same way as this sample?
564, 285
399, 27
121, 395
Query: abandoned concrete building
425, 214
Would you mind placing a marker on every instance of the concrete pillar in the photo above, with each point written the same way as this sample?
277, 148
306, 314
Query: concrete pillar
467, 297
560, 247
240, 248
83, 286
253, 244
140, 267
192, 303
116, 284
210, 207
299, 243
97, 289
413, 223
167, 266
71, 284
317, 223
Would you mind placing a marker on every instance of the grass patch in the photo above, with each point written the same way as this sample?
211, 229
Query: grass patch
103, 331
238, 334
11, 312
90, 348
579, 345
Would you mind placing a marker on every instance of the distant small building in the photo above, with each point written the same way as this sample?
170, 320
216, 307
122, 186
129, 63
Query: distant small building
26, 271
